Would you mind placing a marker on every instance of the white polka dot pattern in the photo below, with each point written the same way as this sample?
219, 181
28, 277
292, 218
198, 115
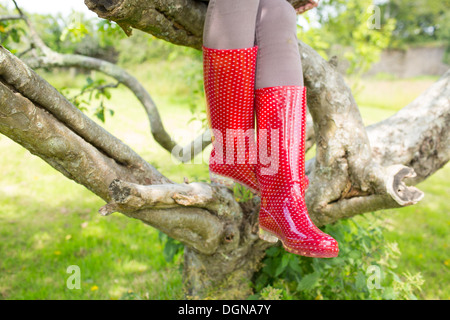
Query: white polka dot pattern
281, 111
229, 79
229, 88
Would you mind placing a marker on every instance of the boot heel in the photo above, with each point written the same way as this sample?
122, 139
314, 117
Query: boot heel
266, 236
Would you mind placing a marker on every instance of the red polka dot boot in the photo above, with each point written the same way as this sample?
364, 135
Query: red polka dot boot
281, 114
229, 79
229, 88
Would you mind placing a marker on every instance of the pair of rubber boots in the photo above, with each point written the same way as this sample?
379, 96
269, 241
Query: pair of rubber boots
274, 165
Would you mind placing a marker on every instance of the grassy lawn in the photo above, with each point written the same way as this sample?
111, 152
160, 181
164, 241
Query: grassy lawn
48, 223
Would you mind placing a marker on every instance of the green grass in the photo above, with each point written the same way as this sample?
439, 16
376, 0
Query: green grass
422, 234
48, 223
391, 94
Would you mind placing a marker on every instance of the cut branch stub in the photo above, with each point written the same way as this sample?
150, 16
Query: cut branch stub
195, 214
129, 197
395, 186
136, 197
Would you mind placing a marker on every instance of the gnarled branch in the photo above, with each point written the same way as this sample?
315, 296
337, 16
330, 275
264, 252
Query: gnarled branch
29, 112
177, 21
51, 59
406, 148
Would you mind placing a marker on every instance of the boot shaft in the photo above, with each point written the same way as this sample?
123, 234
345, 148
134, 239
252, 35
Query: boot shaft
281, 121
229, 81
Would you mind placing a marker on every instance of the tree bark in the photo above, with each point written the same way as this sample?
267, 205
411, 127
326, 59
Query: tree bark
177, 21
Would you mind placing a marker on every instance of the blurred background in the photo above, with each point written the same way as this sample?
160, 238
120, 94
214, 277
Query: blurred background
389, 53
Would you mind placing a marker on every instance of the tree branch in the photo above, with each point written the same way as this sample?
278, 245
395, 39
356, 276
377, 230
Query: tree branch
15, 73
177, 21
50, 59
36, 129
408, 147
131, 197
418, 135
11, 17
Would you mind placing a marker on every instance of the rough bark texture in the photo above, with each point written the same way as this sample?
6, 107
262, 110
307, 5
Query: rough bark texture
177, 21
356, 169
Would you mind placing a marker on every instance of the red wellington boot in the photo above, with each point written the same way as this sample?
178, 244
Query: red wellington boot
229, 78
281, 114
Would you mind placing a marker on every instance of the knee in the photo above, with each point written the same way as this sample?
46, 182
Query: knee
277, 11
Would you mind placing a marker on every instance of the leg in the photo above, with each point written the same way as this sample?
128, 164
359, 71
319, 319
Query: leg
229, 62
230, 24
280, 102
278, 62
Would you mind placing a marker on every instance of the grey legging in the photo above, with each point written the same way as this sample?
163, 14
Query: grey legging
268, 24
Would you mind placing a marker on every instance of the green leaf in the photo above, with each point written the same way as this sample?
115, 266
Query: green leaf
282, 266
308, 282
361, 281
272, 252
294, 264
100, 114
107, 94
389, 294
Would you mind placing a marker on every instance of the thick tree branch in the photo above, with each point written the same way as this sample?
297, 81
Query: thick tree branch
343, 163
409, 147
418, 135
179, 211
27, 104
15, 73
50, 59
11, 17
130, 197
177, 21
182, 153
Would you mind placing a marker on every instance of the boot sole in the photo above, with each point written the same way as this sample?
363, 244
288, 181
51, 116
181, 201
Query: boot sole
268, 236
